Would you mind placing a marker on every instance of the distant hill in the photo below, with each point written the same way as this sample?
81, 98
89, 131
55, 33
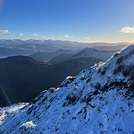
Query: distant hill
91, 52
100, 52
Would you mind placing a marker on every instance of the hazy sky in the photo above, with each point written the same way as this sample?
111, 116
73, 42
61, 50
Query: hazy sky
77, 20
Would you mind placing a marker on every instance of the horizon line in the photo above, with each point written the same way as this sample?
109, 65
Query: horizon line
70, 41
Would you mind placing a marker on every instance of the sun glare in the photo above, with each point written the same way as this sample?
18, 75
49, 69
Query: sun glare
5, 95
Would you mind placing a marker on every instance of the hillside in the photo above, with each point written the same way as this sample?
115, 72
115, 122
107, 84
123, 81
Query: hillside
22, 78
98, 100
74, 66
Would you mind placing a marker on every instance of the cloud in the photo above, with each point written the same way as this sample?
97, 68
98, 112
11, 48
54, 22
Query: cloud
4, 31
34, 34
87, 38
129, 30
21, 34
67, 36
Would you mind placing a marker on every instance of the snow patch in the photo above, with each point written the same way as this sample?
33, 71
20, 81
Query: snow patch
29, 124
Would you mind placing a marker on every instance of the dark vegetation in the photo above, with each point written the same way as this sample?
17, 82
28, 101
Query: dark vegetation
103, 71
71, 99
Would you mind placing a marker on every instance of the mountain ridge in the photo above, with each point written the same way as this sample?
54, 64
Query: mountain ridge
92, 52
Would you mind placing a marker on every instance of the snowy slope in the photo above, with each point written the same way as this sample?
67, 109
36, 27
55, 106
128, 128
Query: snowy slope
99, 100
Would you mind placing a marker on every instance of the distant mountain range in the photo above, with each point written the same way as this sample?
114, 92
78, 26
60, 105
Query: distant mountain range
64, 55
111, 48
14, 47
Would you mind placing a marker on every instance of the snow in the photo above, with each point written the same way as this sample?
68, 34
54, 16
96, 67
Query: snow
29, 124
4, 112
93, 102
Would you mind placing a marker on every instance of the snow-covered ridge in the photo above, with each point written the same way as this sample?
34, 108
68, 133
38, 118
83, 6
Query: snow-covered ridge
99, 100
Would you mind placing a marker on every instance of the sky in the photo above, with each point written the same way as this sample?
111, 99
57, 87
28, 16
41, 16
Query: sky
75, 20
